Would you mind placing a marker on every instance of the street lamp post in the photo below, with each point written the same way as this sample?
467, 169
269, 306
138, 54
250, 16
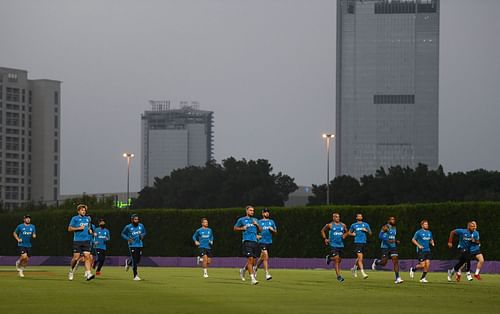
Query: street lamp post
328, 137
129, 157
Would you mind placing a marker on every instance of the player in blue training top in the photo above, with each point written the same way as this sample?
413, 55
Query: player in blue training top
204, 239
265, 241
134, 233
23, 235
81, 227
336, 235
475, 251
464, 241
423, 240
359, 230
388, 246
101, 236
250, 227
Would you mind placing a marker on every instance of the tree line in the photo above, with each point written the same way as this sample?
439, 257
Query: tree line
398, 185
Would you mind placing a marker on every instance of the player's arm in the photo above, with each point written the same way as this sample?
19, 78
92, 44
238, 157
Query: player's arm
323, 233
34, 232
125, 235
369, 230
414, 241
239, 227
72, 227
346, 232
351, 231
195, 238
450, 238
257, 224
16, 236
274, 229
211, 240
144, 233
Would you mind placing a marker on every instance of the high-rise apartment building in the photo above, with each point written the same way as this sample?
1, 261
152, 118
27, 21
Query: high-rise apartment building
29, 139
174, 138
387, 84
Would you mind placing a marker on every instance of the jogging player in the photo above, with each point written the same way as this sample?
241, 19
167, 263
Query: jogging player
464, 242
250, 226
423, 240
359, 230
81, 227
204, 239
101, 236
265, 241
475, 251
23, 235
388, 246
336, 235
134, 233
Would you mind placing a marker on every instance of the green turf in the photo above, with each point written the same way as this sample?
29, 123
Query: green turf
183, 290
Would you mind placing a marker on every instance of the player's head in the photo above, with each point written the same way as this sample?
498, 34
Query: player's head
204, 222
250, 210
81, 209
424, 224
391, 221
385, 228
265, 213
27, 219
471, 226
134, 219
102, 222
359, 217
336, 217
475, 224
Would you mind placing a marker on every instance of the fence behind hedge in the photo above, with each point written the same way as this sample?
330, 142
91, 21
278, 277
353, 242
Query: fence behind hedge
170, 230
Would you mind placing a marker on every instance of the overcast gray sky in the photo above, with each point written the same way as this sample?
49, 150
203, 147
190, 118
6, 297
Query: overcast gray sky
265, 67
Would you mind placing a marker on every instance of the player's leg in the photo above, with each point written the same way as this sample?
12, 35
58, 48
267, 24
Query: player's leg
360, 266
88, 265
395, 264
101, 256
337, 259
136, 256
480, 263
426, 266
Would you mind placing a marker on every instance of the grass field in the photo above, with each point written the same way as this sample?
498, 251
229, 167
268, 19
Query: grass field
183, 290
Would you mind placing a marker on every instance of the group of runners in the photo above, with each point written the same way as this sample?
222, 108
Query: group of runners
89, 245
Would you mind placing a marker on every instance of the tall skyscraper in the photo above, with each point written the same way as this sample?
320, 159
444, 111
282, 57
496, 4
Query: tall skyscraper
174, 138
387, 84
29, 139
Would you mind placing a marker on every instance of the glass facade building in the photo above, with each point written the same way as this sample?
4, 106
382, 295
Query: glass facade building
387, 85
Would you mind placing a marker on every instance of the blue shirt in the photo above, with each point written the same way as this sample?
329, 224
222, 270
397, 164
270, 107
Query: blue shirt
136, 233
266, 234
423, 237
464, 238
336, 235
384, 238
102, 236
81, 235
25, 233
475, 247
205, 236
250, 234
391, 233
360, 234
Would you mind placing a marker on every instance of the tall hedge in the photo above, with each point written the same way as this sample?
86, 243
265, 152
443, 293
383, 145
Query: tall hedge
170, 231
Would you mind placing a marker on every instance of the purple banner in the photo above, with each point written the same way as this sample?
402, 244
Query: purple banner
492, 267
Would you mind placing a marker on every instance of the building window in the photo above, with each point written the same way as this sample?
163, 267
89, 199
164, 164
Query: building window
55, 170
12, 143
12, 118
12, 168
11, 192
393, 99
56, 122
12, 77
12, 94
56, 196
56, 98
30, 95
56, 146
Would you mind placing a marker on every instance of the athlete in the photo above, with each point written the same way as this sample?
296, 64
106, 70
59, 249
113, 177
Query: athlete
337, 233
388, 246
81, 227
101, 236
23, 235
265, 241
475, 251
204, 239
464, 242
134, 233
359, 230
250, 227
423, 240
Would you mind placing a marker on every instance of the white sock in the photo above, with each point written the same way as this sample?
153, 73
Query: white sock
468, 273
477, 271
205, 271
252, 276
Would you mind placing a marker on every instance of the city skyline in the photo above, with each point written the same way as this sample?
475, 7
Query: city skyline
266, 68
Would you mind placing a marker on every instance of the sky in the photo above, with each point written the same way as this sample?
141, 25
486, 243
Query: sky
265, 67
